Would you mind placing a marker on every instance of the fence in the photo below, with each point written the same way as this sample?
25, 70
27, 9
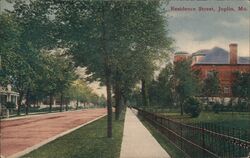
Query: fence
198, 141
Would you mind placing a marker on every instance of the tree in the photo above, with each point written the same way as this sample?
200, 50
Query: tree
15, 66
161, 90
30, 22
149, 39
92, 30
241, 86
211, 85
79, 91
55, 76
185, 81
10, 32
192, 106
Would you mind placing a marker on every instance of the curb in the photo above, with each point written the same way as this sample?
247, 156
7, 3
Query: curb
34, 147
36, 115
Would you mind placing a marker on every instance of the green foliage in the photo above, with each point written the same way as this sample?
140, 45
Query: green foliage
79, 90
10, 32
185, 80
241, 85
177, 82
57, 74
211, 85
161, 90
192, 106
28, 34
217, 107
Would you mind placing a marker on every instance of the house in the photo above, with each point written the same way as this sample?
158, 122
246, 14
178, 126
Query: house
7, 95
219, 60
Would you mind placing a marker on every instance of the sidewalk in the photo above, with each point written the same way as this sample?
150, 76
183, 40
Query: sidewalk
137, 141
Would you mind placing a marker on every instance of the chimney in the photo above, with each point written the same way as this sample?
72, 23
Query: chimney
233, 48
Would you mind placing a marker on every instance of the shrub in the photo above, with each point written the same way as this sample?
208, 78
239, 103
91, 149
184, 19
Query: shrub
10, 105
192, 106
217, 107
241, 107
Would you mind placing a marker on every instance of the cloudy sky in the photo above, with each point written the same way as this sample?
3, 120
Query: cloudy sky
194, 30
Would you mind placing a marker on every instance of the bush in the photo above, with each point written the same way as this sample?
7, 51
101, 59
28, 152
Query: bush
10, 105
217, 107
192, 106
241, 107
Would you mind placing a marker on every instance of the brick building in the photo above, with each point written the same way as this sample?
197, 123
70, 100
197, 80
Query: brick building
221, 61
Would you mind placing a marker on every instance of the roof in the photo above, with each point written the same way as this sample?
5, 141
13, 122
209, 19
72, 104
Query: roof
200, 52
4, 91
218, 55
177, 53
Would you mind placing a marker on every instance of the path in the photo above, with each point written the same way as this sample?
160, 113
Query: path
20, 134
138, 142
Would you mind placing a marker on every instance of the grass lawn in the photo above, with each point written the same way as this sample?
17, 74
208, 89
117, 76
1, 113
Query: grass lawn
172, 150
89, 141
225, 119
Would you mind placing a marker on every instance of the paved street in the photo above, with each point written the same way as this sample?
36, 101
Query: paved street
137, 140
19, 134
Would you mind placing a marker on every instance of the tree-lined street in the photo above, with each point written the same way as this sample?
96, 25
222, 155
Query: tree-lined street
53, 51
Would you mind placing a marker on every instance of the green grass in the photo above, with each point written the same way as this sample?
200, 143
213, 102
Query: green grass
171, 149
225, 119
89, 141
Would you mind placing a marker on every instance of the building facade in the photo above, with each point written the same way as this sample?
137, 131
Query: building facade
218, 60
7, 95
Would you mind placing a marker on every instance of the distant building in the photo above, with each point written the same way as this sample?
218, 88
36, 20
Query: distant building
221, 61
180, 56
7, 95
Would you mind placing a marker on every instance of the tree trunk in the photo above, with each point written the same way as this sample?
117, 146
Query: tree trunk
67, 106
144, 93
77, 102
61, 106
109, 104
107, 68
117, 101
181, 108
27, 102
125, 102
50, 102
19, 103
37, 102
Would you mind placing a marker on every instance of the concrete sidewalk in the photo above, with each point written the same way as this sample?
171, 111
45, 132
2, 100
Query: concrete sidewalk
137, 141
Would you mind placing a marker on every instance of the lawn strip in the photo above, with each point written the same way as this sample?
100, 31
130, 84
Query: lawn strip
88, 141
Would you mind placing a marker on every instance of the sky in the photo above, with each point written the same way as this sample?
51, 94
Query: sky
195, 30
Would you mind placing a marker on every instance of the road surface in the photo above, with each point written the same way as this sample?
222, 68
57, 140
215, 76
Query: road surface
20, 134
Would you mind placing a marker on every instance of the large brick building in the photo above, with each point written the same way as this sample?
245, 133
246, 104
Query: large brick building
221, 61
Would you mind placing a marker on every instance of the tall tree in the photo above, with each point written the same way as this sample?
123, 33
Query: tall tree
33, 35
211, 85
98, 33
241, 86
185, 81
161, 90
